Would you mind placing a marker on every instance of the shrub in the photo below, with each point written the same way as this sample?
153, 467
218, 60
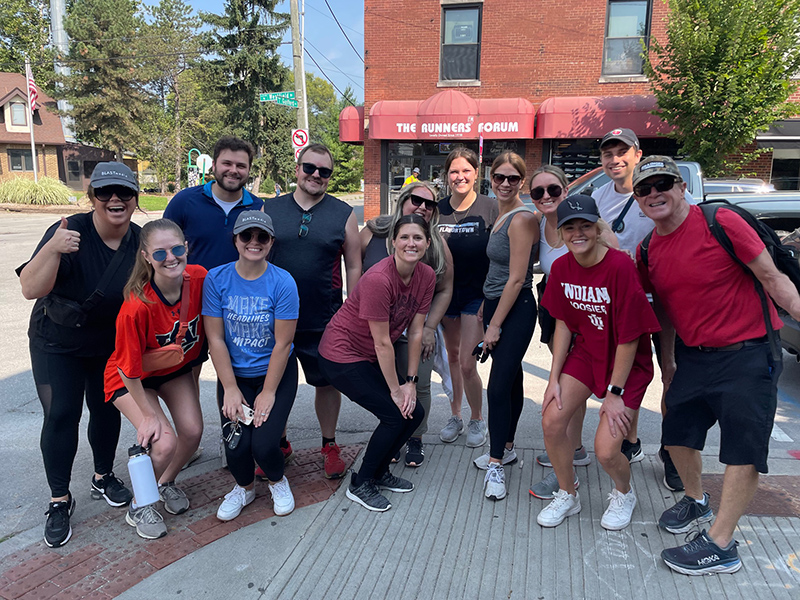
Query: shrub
47, 191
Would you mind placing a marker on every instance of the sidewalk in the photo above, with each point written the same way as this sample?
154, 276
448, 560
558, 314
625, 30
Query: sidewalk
444, 540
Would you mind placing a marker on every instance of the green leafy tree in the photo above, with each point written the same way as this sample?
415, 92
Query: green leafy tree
106, 86
25, 33
725, 73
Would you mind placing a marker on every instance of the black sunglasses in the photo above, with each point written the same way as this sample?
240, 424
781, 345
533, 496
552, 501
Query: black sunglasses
123, 193
262, 236
553, 190
324, 172
499, 178
304, 221
419, 201
161, 255
662, 185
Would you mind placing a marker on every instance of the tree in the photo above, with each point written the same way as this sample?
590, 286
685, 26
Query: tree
107, 81
25, 33
725, 73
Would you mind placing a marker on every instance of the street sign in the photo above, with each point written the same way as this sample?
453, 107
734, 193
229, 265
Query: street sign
204, 162
299, 138
286, 102
275, 96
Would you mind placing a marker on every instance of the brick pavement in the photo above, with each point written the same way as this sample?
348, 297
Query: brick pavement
105, 557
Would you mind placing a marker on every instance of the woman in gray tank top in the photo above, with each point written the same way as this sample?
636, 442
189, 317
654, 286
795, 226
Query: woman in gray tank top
509, 315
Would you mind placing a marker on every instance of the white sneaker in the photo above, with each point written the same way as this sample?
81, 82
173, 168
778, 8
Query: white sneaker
234, 502
495, 482
509, 457
282, 498
563, 505
619, 511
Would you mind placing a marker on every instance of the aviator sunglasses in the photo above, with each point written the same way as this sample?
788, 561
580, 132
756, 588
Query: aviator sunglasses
499, 178
161, 255
419, 201
662, 185
247, 235
123, 193
553, 190
324, 172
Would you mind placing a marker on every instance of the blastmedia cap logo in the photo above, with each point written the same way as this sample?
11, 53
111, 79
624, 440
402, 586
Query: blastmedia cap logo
653, 165
616, 132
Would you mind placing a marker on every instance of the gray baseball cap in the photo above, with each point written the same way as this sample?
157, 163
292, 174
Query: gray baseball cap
113, 173
250, 219
578, 206
656, 165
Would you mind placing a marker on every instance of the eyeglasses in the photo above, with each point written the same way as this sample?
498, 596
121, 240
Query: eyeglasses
161, 255
553, 190
419, 201
662, 185
123, 193
304, 221
262, 236
499, 178
324, 172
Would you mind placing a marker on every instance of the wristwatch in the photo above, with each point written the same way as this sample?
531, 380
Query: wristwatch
412, 379
616, 390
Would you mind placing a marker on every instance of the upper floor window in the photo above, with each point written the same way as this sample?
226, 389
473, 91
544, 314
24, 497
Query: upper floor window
19, 114
627, 28
461, 42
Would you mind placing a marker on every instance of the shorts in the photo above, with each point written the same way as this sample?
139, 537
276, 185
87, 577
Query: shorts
306, 347
203, 356
737, 389
547, 322
463, 304
153, 383
579, 366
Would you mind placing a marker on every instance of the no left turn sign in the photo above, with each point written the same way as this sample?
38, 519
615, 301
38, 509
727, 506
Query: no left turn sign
299, 138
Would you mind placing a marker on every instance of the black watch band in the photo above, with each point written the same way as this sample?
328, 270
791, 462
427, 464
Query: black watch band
412, 378
616, 390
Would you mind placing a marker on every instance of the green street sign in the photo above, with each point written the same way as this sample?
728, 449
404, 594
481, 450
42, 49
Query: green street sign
276, 96
286, 102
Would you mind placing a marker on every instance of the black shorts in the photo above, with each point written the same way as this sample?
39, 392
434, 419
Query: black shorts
153, 383
306, 347
737, 389
203, 356
547, 323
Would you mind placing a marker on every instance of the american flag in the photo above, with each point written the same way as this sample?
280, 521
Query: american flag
33, 92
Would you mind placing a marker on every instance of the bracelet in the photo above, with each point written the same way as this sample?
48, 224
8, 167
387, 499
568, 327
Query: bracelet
412, 379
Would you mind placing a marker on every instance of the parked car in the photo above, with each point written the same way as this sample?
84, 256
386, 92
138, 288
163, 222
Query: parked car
691, 173
716, 185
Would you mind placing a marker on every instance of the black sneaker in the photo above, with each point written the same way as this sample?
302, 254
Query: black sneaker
633, 452
112, 489
367, 495
687, 514
702, 556
57, 530
394, 484
414, 453
672, 481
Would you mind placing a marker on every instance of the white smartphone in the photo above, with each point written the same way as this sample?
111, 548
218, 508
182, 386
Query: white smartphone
249, 413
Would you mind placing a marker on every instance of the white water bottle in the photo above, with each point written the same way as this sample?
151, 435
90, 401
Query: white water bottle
143, 479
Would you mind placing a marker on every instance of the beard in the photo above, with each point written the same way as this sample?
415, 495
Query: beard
228, 187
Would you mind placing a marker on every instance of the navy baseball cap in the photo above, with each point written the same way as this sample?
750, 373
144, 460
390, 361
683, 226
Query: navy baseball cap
113, 173
626, 136
578, 206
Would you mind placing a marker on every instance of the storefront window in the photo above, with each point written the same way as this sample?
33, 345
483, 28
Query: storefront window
786, 169
627, 28
577, 157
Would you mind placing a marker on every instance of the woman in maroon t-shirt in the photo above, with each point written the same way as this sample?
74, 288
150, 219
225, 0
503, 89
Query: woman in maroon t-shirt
357, 355
596, 298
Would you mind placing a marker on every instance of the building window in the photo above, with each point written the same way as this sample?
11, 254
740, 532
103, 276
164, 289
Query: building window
461, 43
627, 28
73, 170
18, 114
20, 160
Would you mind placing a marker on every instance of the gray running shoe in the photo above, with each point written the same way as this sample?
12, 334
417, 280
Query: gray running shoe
148, 522
453, 429
581, 458
509, 457
477, 434
546, 489
174, 498
367, 495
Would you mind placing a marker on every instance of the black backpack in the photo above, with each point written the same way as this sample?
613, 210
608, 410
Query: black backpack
785, 257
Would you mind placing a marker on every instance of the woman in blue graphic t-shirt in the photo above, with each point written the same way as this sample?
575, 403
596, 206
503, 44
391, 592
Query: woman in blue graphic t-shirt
250, 310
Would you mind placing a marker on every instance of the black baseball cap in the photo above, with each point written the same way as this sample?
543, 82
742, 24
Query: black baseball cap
578, 206
626, 136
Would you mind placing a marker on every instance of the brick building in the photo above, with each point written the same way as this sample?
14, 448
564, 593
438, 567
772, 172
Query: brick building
545, 79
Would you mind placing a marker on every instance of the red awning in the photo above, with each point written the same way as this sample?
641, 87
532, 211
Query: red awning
351, 124
451, 115
592, 117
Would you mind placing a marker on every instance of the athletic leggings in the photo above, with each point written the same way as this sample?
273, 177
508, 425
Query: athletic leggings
423, 385
62, 381
504, 392
261, 444
364, 384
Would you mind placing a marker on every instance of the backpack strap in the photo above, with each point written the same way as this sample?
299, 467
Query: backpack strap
616, 226
643, 248
184, 314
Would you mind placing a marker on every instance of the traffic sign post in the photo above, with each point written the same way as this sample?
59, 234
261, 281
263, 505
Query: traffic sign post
299, 141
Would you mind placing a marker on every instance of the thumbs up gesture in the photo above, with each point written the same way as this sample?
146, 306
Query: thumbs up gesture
65, 240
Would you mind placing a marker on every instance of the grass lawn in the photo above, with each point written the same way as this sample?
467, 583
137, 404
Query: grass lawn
153, 202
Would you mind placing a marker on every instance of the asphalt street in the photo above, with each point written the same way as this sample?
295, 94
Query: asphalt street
24, 495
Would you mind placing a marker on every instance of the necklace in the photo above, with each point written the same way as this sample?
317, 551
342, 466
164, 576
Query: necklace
464, 218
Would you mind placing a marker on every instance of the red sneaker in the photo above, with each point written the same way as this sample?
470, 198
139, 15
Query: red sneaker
334, 465
288, 456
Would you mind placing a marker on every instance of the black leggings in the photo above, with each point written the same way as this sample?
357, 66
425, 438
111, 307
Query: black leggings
261, 444
364, 384
504, 392
61, 381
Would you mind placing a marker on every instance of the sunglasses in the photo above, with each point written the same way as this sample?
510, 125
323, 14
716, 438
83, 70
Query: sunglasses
324, 172
419, 201
662, 185
123, 193
262, 236
553, 190
161, 255
304, 221
499, 179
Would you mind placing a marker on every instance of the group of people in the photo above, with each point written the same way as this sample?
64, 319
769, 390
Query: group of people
259, 286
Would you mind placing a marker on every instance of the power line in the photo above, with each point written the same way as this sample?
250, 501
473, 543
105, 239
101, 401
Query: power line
356, 31
333, 65
343, 32
328, 78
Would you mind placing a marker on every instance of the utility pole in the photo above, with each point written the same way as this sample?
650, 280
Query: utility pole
299, 66
61, 42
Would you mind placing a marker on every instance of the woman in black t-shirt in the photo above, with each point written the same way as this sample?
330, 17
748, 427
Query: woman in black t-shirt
76, 275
